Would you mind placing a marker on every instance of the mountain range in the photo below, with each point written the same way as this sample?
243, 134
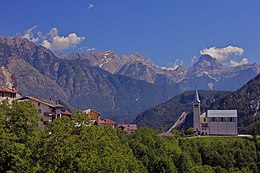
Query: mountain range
206, 73
117, 87
34, 70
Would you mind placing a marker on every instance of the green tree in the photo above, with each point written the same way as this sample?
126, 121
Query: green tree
20, 134
189, 131
71, 145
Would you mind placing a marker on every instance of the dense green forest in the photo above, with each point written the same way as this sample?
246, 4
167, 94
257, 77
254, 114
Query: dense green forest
71, 145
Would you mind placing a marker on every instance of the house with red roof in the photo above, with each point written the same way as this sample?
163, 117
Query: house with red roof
93, 116
7, 93
108, 122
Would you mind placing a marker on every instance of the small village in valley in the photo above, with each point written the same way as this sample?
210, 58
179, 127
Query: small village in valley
50, 110
209, 123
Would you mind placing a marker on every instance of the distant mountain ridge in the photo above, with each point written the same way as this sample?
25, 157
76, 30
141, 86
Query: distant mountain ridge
206, 73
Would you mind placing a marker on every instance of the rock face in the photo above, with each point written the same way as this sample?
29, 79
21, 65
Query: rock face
134, 66
206, 73
36, 71
164, 115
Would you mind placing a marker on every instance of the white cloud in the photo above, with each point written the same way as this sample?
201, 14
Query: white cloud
63, 42
29, 34
52, 40
46, 44
90, 6
53, 32
221, 54
234, 63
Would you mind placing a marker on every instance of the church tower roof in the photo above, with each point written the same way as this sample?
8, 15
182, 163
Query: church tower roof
197, 99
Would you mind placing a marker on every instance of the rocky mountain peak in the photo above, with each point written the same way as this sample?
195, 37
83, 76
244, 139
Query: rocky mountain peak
208, 61
205, 63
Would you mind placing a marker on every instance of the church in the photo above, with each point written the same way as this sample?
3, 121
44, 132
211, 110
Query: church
214, 122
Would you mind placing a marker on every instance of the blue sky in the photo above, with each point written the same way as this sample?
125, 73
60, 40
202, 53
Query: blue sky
162, 30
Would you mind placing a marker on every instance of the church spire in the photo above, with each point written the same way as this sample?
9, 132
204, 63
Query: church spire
197, 99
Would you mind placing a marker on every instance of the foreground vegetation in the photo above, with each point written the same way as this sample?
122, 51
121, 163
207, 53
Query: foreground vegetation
64, 147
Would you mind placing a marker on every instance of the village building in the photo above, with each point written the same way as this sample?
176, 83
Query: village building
47, 110
128, 128
7, 94
214, 122
93, 116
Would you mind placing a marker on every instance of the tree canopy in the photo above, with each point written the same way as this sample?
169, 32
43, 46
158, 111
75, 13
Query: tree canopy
72, 145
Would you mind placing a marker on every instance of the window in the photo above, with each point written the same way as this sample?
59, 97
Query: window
205, 119
222, 119
39, 104
40, 111
214, 119
231, 119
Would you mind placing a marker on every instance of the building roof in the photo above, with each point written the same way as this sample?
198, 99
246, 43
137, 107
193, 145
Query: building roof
66, 113
6, 89
222, 113
107, 122
48, 103
90, 110
128, 126
204, 115
166, 134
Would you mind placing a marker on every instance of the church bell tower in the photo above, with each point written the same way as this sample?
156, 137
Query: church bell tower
196, 113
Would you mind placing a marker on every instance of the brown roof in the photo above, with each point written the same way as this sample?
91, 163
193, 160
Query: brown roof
66, 113
53, 104
128, 127
164, 134
107, 122
5, 89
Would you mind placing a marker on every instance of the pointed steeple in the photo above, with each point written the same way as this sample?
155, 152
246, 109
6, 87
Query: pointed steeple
197, 99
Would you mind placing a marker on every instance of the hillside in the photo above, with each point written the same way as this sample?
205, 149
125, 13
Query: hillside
164, 115
246, 100
36, 71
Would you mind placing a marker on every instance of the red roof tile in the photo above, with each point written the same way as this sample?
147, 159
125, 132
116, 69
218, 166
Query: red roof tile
66, 113
5, 89
107, 122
